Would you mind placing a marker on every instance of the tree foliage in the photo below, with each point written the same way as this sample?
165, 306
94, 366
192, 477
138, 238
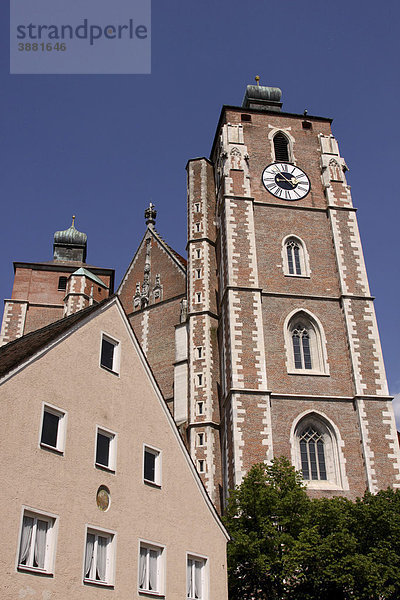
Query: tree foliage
286, 546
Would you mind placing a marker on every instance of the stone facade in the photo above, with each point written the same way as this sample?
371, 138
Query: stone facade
67, 485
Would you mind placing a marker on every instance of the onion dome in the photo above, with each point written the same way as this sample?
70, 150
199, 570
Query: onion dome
70, 244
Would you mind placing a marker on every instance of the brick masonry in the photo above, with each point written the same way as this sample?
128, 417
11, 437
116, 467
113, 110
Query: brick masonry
241, 400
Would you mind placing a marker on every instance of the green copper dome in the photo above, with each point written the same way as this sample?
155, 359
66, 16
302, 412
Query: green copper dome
261, 97
70, 244
70, 236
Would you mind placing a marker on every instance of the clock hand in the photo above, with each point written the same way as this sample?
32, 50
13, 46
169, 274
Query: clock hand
292, 180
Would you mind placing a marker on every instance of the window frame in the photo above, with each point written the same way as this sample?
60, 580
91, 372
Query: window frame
161, 561
200, 411
288, 147
156, 452
201, 465
110, 556
112, 449
336, 478
318, 351
204, 575
61, 280
200, 439
291, 141
303, 256
199, 380
116, 353
51, 540
59, 448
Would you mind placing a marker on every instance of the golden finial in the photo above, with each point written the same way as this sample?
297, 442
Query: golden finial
257, 78
73, 221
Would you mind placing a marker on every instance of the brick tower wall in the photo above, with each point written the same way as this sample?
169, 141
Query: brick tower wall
257, 298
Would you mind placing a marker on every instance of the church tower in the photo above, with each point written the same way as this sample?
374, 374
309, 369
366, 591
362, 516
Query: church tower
44, 292
284, 356
264, 342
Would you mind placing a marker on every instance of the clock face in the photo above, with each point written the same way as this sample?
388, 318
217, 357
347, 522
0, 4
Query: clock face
286, 181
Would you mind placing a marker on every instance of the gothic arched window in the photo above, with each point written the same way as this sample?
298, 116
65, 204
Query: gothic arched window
305, 344
312, 454
316, 451
301, 346
295, 257
281, 147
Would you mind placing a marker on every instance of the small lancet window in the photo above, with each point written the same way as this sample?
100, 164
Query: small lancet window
281, 147
312, 453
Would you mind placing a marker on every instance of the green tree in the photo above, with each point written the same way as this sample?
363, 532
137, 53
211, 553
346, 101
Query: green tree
286, 546
264, 517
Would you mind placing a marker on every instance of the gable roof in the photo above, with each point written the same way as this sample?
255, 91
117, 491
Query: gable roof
18, 352
177, 258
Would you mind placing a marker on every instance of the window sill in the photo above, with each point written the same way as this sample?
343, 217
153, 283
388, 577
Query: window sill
308, 372
51, 449
151, 593
109, 370
297, 275
34, 571
322, 485
95, 582
104, 468
152, 483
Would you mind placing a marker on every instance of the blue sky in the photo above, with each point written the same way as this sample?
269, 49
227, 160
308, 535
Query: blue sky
102, 147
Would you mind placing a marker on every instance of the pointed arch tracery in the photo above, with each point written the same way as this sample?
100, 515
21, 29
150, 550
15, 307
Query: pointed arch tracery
316, 451
305, 344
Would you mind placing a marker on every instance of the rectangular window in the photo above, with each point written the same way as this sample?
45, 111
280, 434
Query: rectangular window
198, 253
197, 207
36, 547
62, 283
198, 297
105, 449
200, 408
199, 379
201, 466
99, 555
152, 465
196, 578
200, 439
53, 428
198, 273
199, 352
197, 227
151, 569
109, 356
